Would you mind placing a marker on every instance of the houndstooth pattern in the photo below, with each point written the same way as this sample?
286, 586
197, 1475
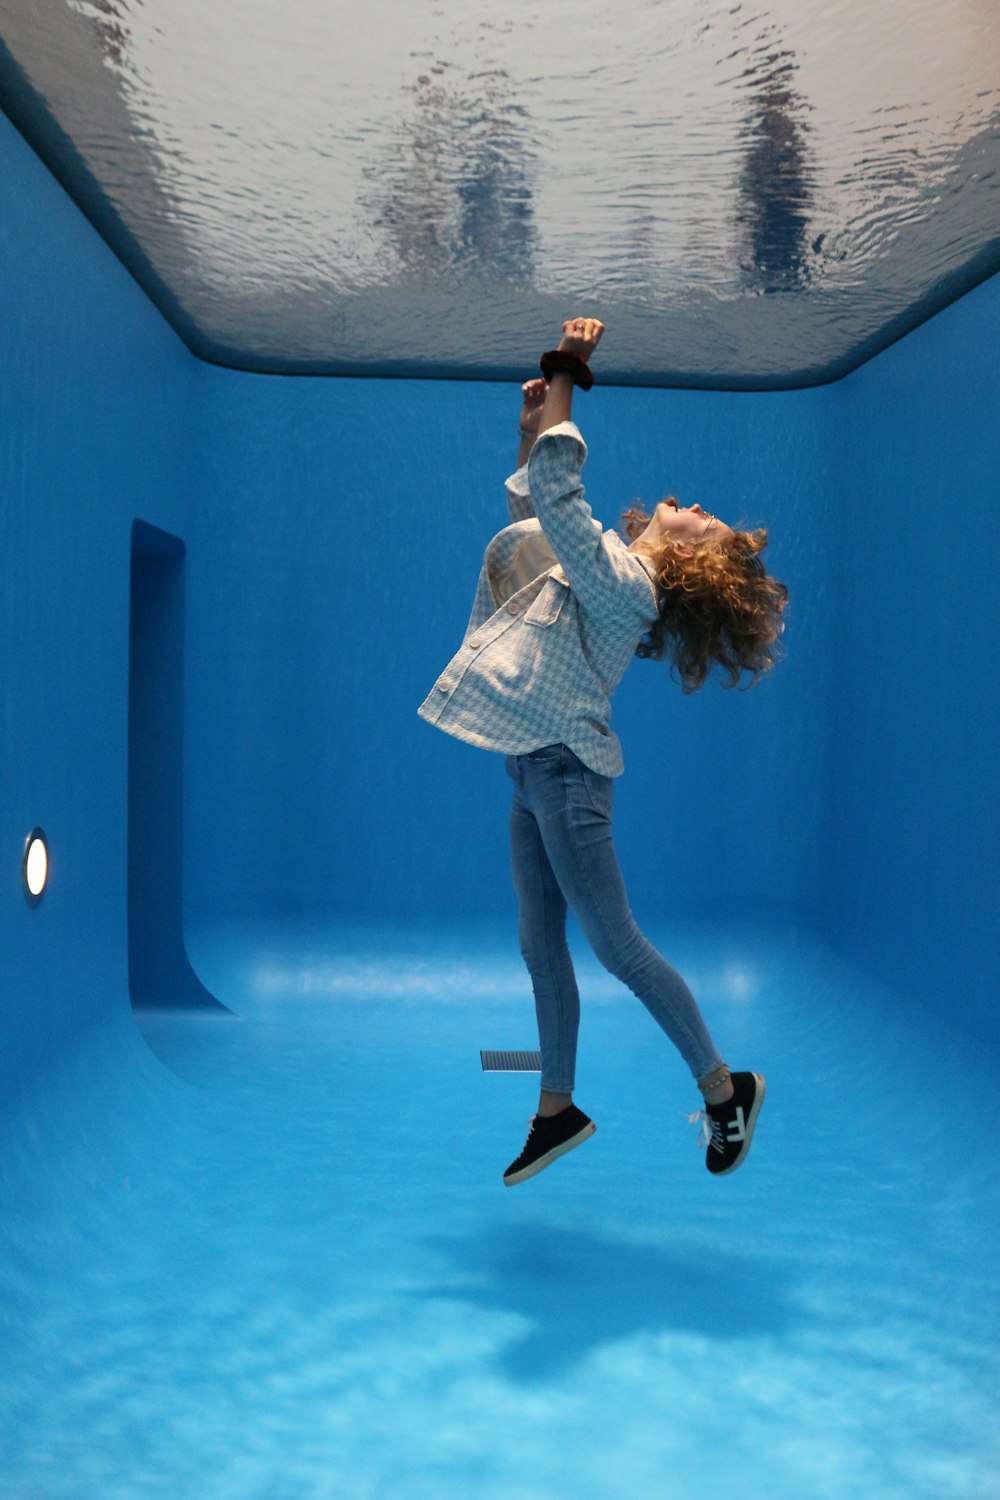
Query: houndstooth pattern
540, 666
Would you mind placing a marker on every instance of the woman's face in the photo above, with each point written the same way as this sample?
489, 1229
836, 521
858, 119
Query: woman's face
687, 525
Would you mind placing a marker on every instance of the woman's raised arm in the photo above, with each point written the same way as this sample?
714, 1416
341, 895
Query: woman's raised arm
533, 394
580, 336
545, 405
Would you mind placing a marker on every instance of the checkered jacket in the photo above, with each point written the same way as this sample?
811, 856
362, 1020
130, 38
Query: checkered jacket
541, 667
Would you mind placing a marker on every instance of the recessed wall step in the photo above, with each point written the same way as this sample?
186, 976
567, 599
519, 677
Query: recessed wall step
511, 1062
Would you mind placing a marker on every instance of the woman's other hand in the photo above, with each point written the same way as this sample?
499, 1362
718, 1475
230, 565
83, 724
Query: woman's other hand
533, 392
581, 336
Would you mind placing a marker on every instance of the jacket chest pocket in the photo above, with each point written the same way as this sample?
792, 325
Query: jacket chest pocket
549, 604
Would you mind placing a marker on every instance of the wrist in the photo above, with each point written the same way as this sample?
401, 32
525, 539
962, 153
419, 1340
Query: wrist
561, 362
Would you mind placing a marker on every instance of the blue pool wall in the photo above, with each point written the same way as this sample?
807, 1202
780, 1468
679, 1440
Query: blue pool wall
332, 533
96, 400
914, 888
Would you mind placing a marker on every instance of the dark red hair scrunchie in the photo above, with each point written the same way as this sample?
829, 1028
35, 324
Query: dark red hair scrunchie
559, 362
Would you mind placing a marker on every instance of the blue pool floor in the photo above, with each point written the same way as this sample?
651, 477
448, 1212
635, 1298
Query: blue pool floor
271, 1257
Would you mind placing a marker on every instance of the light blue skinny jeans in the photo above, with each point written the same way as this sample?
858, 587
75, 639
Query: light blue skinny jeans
562, 855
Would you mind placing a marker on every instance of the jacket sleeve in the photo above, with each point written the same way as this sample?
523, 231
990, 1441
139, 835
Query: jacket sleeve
608, 581
519, 496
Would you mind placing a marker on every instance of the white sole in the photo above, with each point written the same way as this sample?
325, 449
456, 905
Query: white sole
551, 1156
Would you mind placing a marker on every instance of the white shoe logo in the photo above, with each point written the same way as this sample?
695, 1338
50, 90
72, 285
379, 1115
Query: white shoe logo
737, 1131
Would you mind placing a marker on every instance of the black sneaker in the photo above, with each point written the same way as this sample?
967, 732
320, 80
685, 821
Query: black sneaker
731, 1125
548, 1139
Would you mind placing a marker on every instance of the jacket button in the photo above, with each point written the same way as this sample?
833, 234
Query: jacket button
513, 608
475, 641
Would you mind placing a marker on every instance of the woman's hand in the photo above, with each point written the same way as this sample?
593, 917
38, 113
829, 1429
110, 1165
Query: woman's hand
533, 394
581, 336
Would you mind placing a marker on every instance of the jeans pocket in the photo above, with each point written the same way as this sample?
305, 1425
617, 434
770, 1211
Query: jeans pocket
600, 790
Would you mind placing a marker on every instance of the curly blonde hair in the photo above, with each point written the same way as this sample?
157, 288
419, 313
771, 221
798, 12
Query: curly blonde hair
718, 606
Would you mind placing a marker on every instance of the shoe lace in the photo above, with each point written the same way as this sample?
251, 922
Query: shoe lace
710, 1133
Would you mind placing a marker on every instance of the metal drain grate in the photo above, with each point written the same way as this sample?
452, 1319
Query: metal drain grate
511, 1062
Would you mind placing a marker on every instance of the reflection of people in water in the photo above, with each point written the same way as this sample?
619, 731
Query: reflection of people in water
561, 608
775, 196
456, 193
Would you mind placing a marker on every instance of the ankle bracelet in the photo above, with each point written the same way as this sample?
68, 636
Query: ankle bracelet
718, 1084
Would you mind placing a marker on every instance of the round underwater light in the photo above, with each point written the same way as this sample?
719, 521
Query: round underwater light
35, 866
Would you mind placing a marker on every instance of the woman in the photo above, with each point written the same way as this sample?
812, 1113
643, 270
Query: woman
562, 607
